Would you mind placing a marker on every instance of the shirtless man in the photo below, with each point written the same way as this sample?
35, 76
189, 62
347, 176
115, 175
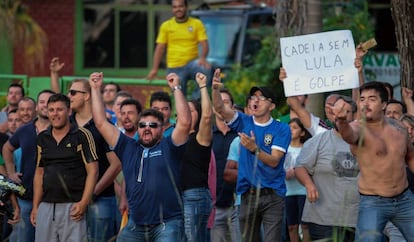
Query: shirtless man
383, 150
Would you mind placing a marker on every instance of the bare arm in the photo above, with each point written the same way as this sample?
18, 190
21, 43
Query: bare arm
205, 134
360, 53
410, 155
407, 96
78, 209
37, 192
3, 127
110, 174
230, 171
108, 131
225, 112
158, 53
8, 150
55, 67
349, 132
303, 177
295, 104
182, 128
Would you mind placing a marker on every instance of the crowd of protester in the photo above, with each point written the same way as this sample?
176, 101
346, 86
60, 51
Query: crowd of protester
97, 165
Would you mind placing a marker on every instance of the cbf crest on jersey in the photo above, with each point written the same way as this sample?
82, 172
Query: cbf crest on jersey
190, 29
268, 139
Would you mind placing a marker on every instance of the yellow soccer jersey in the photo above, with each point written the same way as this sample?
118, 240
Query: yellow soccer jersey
182, 40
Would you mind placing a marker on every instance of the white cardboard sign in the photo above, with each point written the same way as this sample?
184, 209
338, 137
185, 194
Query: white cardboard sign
317, 63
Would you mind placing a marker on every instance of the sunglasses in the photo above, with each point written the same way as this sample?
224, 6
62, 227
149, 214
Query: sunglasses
152, 125
73, 92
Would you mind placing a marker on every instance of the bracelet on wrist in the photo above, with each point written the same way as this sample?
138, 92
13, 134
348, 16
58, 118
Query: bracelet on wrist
202, 87
176, 88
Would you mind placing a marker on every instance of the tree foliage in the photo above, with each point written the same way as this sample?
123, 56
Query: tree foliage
290, 21
23, 32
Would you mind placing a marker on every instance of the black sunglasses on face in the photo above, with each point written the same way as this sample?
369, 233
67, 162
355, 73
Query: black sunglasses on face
152, 125
73, 92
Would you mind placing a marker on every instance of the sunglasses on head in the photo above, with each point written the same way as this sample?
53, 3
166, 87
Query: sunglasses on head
73, 92
152, 125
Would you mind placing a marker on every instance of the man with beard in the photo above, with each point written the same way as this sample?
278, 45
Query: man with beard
182, 35
65, 176
130, 110
150, 165
25, 138
383, 150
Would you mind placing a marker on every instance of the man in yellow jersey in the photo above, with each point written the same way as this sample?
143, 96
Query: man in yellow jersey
181, 35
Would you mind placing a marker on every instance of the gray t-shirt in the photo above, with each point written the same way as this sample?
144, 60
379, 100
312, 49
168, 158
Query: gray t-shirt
334, 170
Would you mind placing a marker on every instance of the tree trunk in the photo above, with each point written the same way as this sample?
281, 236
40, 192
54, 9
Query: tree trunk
314, 25
402, 12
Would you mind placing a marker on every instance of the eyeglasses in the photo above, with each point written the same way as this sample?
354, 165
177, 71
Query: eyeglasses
260, 98
152, 125
73, 92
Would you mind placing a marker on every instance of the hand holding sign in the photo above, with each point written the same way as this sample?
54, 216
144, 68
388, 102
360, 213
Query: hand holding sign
320, 62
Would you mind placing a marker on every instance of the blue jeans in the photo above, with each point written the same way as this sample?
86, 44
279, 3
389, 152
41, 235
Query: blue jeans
331, 233
197, 208
23, 230
101, 219
376, 211
188, 72
171, 231
226, 221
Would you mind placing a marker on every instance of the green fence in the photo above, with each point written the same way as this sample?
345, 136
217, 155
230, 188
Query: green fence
33, 85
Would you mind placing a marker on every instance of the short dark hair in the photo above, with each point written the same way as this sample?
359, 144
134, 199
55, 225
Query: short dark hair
378, 87
161, 97
14, 110
123, 94
16, 85
389, 87
134, 102
224, 90
59, 97
28, 99
403, 106
307, 135
45, 91
152, 112
118, 87
197, 106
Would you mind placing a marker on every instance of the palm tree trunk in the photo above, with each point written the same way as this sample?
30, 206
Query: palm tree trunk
402, 12
314, 25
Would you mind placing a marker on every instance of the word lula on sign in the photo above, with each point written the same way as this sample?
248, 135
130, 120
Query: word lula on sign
317, 63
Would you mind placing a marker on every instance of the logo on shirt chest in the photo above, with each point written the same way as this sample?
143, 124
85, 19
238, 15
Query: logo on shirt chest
190, 29
268, 139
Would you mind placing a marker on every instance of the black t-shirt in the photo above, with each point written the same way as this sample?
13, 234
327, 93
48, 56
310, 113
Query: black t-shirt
64, 164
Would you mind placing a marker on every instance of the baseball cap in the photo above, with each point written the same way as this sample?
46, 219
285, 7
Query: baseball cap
266, 92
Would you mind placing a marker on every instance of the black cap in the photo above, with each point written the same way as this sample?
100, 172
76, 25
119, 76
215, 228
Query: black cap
266, 92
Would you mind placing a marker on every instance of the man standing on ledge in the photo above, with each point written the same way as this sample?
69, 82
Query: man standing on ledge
181, 35
383, 150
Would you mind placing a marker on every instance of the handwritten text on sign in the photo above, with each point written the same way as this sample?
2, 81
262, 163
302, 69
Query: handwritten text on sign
321, 62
